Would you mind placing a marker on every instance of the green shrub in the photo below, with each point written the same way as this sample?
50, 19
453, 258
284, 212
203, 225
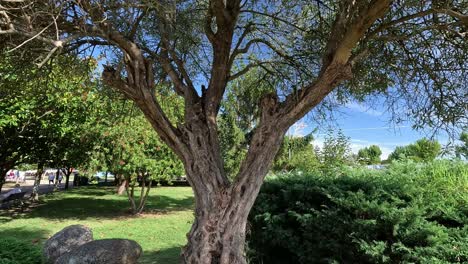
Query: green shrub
13, 251
408, 213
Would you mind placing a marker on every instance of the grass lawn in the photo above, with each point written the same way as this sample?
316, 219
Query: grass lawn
161, 231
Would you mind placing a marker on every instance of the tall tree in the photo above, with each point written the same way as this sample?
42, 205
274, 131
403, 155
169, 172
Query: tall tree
143, 158
422, 150
370, 155
412, 52
44, 121
336, 151
296, 153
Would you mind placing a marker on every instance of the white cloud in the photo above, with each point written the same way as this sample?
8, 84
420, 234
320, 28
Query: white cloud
297, 130
363, 109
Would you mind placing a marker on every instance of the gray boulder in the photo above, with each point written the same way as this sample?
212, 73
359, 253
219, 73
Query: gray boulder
105, 251
66, 240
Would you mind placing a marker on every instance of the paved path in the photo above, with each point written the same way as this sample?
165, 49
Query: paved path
27, 186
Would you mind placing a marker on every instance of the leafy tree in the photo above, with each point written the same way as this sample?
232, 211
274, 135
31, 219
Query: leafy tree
44, 122
423, 150
142, 158
335, 152
238, 117
296, 153
370, 155
18, 121
128, 147
232, 143
413, 53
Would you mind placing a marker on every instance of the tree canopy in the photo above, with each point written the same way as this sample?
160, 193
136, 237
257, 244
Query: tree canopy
370, 155
422, 150
43, 117
310, 54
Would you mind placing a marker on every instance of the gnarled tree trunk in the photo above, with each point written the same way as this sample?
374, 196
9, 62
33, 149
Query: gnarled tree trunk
218, 232
222, 207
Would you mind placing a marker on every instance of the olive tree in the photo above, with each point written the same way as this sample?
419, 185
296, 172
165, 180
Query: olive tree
412, 53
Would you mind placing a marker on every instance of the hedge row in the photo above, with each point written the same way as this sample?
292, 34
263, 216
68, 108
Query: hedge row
407, 213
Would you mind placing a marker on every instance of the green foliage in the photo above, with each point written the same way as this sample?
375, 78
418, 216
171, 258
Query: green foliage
46, 121
296, 153
139, 149
408, 213
423, 150
335, 153
13, 251
370, 155
232, 144
238, 117
127, 144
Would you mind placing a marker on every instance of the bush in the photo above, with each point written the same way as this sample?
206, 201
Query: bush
13, 251
407, 213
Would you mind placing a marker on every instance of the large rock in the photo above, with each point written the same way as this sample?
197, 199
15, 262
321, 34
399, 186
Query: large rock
66, 240
105, 251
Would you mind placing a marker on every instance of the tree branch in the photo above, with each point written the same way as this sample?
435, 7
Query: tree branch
349, 27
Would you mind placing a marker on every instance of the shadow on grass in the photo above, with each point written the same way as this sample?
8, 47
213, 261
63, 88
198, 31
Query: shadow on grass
163, 256
34, 236
98, 203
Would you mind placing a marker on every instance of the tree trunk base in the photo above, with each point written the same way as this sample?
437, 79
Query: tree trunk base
212, 241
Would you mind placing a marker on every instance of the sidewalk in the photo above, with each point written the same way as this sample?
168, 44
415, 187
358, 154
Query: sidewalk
27, 186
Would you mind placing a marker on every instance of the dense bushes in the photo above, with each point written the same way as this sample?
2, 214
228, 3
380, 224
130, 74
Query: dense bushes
407, 213
13, 251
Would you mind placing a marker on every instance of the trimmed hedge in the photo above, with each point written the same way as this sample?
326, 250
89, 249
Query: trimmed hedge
13, 251
407, 213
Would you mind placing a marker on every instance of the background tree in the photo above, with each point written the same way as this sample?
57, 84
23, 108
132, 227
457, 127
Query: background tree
43, 122
142, 158
296, 153
335, 152
18, 115
369, 155
127, 146
412, 53
423, 150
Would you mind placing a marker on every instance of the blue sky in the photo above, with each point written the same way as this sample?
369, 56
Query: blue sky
365, 126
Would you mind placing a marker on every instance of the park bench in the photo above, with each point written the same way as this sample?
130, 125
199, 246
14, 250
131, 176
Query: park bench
16, 197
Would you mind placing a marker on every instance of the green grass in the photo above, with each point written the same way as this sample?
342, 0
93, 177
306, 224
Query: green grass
161, 231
